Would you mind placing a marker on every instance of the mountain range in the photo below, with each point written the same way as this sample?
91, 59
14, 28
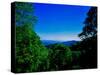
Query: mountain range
68, 43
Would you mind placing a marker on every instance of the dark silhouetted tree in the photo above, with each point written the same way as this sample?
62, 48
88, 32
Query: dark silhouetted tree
88, 44
90, 28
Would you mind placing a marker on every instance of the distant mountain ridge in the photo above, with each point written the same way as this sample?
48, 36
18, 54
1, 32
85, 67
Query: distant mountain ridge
68, 43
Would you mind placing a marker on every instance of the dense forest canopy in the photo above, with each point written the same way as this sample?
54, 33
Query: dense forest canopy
30, 53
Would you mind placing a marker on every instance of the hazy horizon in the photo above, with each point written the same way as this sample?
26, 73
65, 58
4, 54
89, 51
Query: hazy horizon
60, 40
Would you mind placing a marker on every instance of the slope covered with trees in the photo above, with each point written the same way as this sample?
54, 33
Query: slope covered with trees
30, 52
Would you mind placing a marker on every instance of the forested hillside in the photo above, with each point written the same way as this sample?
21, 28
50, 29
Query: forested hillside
31, 54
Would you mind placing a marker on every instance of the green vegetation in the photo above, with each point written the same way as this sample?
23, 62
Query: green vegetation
89, 40
60, 57
32, 55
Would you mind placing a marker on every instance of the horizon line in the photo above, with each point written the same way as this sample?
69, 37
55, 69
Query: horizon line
59, 40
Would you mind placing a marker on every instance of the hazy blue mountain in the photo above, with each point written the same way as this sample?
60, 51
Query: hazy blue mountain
68, 43
48, 42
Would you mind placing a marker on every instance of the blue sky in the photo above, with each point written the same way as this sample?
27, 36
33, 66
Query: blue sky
59, 22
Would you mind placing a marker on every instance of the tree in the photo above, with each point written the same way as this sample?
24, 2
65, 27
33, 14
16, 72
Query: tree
24, 13
60, 57
88, 36
90, 28
30, 52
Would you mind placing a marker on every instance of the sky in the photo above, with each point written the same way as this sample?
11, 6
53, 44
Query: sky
59, 22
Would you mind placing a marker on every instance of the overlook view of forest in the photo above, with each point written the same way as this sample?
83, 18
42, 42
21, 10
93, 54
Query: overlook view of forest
54, 37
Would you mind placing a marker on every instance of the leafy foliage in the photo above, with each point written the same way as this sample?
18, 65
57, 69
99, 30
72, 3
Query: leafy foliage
24, 14
60, 57
29, 50
90, 28
88, 44
30, 53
